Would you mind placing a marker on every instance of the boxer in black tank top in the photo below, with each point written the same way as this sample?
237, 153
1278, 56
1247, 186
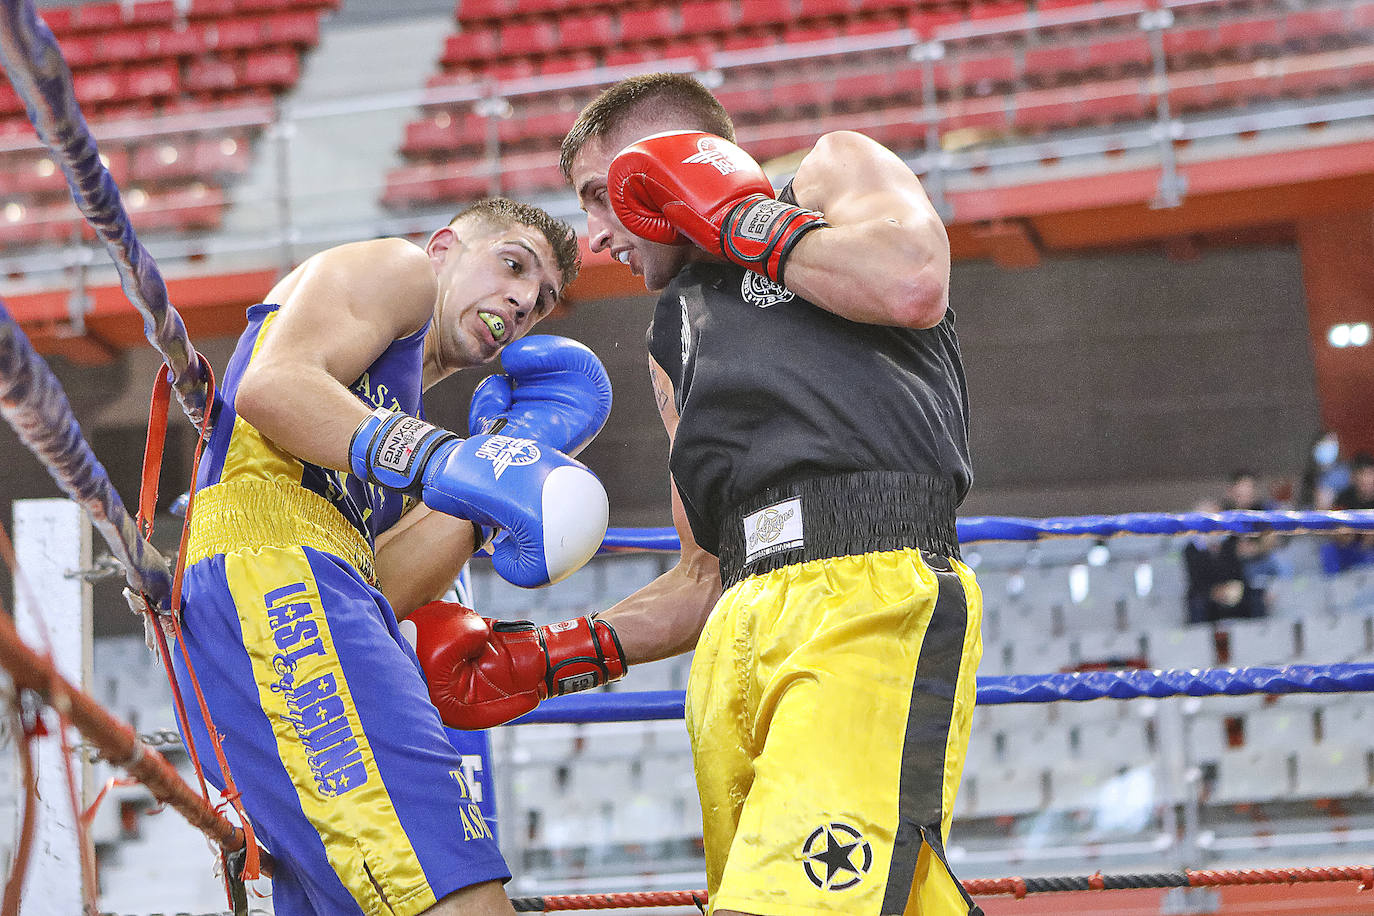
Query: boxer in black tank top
807, 372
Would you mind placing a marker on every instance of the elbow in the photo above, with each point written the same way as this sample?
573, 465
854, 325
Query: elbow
919, 298
254, 399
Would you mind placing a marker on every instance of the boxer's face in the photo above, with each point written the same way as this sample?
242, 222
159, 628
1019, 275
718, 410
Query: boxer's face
656, 263
495, 283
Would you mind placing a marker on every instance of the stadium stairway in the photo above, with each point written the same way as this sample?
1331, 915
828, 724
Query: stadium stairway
336, 164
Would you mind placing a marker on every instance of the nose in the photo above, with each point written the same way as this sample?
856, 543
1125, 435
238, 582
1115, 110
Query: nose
523, 303
598, 233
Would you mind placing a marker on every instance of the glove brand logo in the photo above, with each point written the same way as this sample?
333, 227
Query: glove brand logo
756, 223
708, 155
773, 529
397, 449
504, 452
836, 857
762, 292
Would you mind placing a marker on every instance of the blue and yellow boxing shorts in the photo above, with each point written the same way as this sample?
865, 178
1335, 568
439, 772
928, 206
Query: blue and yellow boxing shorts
327, 726
829, 707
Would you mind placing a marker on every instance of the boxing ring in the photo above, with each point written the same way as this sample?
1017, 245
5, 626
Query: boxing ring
33, 403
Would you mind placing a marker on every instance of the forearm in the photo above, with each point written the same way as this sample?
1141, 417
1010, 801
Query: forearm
418, 559
305, 412
874, 272
665, 617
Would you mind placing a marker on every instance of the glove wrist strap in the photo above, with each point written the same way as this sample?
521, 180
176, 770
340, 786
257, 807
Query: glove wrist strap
582, 653
760, 232
391, 449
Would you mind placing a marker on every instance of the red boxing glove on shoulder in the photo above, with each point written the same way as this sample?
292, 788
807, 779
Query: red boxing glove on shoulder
695, 184
490, 672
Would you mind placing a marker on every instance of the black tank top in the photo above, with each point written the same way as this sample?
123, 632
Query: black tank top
771, 389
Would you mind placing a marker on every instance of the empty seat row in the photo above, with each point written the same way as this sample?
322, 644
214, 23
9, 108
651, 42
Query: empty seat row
291, 29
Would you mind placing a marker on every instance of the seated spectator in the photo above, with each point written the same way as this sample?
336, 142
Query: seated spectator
1258, 553
1344, 551
1217, 584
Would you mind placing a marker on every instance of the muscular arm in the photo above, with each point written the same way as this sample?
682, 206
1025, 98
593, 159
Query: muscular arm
339, 311
885, 259
665, 617
419, 557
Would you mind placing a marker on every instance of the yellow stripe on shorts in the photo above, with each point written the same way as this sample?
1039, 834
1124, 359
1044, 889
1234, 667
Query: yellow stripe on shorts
295, 666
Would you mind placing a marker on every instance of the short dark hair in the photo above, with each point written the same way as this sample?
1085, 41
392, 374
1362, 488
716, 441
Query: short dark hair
678, 94
503, 212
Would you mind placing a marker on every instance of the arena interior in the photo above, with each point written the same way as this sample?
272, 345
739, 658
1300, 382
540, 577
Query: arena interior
1162, 219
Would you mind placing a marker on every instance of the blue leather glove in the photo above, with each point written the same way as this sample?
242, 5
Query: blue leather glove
554, 391
552, 509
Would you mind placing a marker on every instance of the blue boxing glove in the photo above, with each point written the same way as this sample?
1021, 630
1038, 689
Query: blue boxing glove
554, 391
553, 509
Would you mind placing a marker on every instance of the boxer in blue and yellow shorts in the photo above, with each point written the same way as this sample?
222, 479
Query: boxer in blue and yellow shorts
326, 509
808, 374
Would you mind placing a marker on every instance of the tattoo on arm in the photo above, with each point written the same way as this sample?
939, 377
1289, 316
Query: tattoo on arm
660, 395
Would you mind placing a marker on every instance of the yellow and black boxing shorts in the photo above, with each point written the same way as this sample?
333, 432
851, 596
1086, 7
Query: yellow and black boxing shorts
829, 708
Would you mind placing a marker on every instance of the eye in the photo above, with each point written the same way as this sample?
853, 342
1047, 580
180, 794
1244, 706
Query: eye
514, 265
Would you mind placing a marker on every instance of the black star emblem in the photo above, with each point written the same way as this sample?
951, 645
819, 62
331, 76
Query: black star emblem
837, 855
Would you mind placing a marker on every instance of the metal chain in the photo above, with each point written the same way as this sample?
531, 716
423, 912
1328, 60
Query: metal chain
162, 738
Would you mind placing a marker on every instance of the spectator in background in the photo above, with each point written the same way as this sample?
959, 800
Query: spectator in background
1345, 551
1325, 474
1257, 552
1217, 585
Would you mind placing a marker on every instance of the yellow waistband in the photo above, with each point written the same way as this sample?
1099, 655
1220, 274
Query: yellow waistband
249, 514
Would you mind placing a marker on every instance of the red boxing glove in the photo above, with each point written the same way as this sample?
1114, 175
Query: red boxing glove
695, 184
512, 667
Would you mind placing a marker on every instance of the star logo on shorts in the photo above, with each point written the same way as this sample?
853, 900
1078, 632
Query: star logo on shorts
840, 852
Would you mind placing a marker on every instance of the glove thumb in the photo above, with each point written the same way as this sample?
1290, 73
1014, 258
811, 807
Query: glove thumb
491, 400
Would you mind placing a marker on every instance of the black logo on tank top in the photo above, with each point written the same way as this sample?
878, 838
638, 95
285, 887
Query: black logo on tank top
760, 291
836, 857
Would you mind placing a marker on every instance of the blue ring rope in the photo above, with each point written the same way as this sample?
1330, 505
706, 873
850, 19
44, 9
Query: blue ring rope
40, 75
995, 690
32, 400
1011, 528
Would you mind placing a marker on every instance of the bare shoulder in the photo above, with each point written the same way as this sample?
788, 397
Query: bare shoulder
846, 161
389, 277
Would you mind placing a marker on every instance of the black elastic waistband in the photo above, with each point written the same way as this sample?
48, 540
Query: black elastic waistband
839, 516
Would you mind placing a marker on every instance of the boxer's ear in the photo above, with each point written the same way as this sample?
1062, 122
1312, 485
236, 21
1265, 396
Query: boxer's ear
441, 244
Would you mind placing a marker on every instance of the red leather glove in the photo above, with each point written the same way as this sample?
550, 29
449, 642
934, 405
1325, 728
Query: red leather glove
695, 184
512, 666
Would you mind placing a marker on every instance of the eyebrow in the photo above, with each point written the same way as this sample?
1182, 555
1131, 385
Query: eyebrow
585, 190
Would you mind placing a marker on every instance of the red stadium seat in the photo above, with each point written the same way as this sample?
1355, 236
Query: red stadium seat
187, 41
151, 12
1362, 14
647, 23
223, 156
299, 28
1311, 25
1113, 108
800, 94
79, 51
1045, 66
429, 183
1186, 43
1246, 37
273, 68
999, 9
701, 17
877, 24
825, 9
519, 68
858, 87
802, 32
94, 87
264, 6
762, 12
121, 46
925, 22
983, 74
60, 19
235, 34
210, 9
528, 38
99, 17
475, 44
586, 30
1037, 119
154, 81
747, 40
10, 103
1193, 98
210, 75
1122, 54
574, 62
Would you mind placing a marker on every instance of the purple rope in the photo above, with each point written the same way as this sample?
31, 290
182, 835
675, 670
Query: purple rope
33, 402
40, 75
